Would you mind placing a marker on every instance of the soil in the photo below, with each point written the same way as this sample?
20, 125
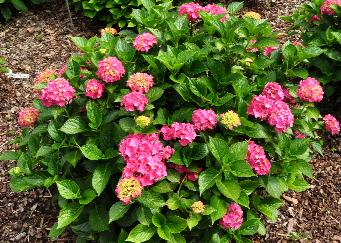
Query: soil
40, 39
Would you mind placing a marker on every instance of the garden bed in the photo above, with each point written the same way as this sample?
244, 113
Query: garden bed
40, 39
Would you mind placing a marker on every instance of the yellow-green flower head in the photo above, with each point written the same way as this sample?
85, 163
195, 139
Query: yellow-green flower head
102, 50
128, 189
230, 120
15, 171
198, 207
253, 15
142, 121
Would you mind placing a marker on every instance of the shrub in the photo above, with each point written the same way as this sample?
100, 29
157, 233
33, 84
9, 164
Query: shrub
318, 23
191, 138
7, 8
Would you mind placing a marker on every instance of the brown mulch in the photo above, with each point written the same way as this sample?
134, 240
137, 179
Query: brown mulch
40, 39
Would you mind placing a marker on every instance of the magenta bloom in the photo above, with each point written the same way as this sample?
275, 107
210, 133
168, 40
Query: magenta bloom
188, 174
61, 71
204, 119
273, 90
110, 70
183, 131
331, 124
233, 218
191, 10
57, 92
298, 134
94, 89
134, 101
281, 117
268, 50
128, 189
326, 6
260, 107
257, 159
216, 10
140, 82
310, 90
28, 117
144, 155
144, 42
315, 18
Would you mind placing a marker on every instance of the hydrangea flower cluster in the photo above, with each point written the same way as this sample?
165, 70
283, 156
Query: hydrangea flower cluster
45, 76
192, 11
298, 134
216, 10
310, 90
144, 155
142, 121
315, 18
134, 101
144, 42
28, 117
108, 30
331, 124
253, 15
251, 48
190, 175
257, 159
230, 120
198, 207
326, 6
204, 119
110, 70
270, 106
140, 82
128, 189
268, 50
233, 218
57, 92
183, 131
94, 89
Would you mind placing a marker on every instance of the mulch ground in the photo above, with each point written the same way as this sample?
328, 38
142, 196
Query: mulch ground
40, 39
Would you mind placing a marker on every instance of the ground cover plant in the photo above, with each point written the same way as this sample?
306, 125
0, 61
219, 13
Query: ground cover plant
190, 130
7, 8
318, 23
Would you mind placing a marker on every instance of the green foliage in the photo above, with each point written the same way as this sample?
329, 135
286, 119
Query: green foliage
9, 7
205, 65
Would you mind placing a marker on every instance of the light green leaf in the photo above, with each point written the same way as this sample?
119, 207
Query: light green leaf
141, 233
230, 189
68, 189
73, 126
91, 152
98, 219
101, 176
68, 214
207, 179
117, 211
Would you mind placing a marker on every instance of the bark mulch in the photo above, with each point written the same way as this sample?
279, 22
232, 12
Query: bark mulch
40, 39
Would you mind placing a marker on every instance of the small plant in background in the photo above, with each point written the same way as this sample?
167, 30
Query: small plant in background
9, 7
189, 130
3, 68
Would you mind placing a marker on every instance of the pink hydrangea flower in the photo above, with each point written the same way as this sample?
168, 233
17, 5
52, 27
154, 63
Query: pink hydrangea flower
140, 82
128, 189
257, 159
310, 90
183, 131
273, 90
298, 134
233, 218
297, 44
251, 48
216, 10
326, 6
57, 92
204, 119
188, 174
94, 89
45, 76
268, 50
110, 70
62, 71
281, 117
331, 124
315, 18
144, 42
144, 155
191, 10
28, 117
167, 152
134, 100
260, 107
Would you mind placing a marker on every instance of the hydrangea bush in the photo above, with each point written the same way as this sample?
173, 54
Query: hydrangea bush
188, 131
318, 23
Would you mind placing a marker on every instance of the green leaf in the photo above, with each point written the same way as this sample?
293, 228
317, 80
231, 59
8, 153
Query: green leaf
249, 227
241, 168
234, 7
101, 176
199, 151
55, 232
73, 157
117, 211
158, 219
154, 94
266, 42
68, 189
53, 132
218, 148
43, 151
276, 186
73, 126
94, 114
162, 187
220, 208
9, 155
98, 219
87, 196
193, 220
141, 233
19, 5
68, 214
144, 215
268, 206
80, 42
91, 152
125, 50
177, 238
164, 232
23, 183
237, 151
176, 224
207, 179
230, 189
151, 199
127, 124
